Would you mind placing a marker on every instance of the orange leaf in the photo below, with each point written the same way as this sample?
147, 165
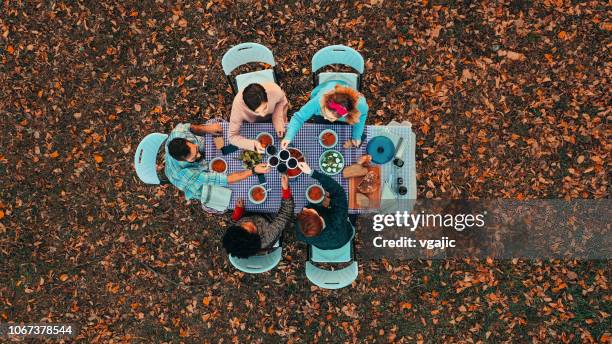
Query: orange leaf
54, 155
406, 305
549, 58
10, 49
98, 158
206, 300
1, 214
425, 128
562, 35
63, 278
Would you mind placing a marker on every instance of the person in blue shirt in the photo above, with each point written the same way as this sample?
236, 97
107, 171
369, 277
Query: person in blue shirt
332, 101
186, 167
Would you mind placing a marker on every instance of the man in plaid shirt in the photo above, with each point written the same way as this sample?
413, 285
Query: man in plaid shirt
186, 167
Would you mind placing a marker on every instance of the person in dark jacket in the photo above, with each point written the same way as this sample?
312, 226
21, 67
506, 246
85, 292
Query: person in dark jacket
253, 233
325, 225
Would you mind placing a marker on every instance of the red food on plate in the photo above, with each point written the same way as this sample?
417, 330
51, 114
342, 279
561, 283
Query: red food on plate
219, 166
265, 140
328, 139
258, 194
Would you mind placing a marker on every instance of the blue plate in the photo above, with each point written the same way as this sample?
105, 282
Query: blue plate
381, 148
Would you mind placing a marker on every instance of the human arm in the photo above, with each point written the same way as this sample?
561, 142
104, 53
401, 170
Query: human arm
201, 129
359, 127
238, 210
235, 123
298, 119
242, 175
337, 195
279, 115
284, 216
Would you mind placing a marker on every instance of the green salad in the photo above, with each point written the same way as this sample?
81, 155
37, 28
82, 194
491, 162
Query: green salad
250, 159
331, 162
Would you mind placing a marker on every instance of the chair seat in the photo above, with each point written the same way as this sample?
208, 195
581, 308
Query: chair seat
258, 263
244, 80
339, 255
349, 78
145, 157
329, 279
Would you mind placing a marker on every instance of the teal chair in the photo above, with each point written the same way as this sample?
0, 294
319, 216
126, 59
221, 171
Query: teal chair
332, 279
245, 53
261, 262
145, 158
338, 55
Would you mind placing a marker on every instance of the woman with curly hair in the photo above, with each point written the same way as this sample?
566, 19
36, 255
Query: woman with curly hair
332, 102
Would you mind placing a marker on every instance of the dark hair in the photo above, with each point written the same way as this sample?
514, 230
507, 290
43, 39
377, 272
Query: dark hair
310, 224
178, 149
240, 243
253, 95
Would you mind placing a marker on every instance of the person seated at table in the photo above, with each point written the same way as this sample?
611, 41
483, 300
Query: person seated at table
325, 225
332, 102
263, 102
251, 234
186, 167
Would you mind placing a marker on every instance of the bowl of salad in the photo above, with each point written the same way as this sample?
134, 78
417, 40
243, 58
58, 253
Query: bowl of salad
331, 162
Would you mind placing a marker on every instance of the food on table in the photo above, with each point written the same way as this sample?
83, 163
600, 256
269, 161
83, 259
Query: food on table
258, 193
250, 159
297, 154
265, 139
331, 162
218, 165
315, 193
369, 183
328, 138
362, 200
355, 170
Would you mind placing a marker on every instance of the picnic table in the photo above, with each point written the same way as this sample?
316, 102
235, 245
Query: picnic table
307, 141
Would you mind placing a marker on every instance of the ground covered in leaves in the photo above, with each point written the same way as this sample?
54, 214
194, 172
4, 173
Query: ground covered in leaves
508, 100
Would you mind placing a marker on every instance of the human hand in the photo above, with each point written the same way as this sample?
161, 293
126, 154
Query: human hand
258, 147
280, 132
285, 143
240, 203
262, 168
214, 128
284, 181
364, 159
304, 167
326, 200
348, 144
356, 143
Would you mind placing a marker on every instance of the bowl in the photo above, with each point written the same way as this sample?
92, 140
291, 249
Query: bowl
299, 156
266, 139
331, 162
314, 187
218, 165
261, 194
325, 138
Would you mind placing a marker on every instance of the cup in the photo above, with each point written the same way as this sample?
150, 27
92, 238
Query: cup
284, 155
273, 161
281, 168
271, 150
292, 163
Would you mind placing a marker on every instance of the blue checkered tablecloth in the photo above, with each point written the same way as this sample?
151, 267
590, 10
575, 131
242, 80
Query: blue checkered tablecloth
307, 141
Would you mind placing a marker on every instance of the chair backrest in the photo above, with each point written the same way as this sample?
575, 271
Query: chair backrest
337, 54
246, 53
145, 158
